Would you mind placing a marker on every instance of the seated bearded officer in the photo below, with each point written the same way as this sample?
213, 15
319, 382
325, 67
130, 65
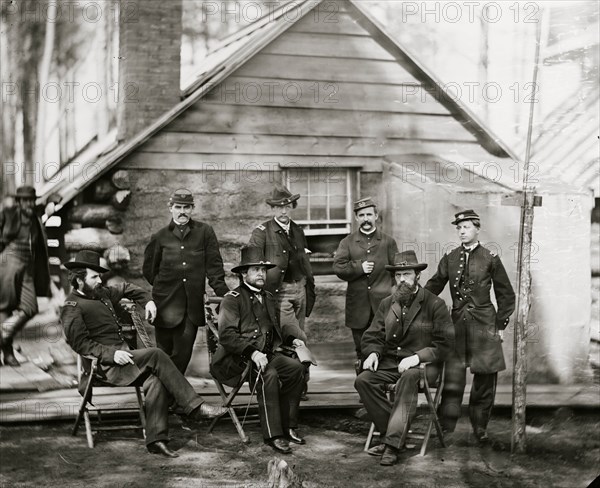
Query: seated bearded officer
91, 328
249, 329
411, 326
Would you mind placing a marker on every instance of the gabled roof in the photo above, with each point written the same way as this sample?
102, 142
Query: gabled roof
239, 49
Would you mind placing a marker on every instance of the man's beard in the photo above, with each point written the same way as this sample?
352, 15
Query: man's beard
404, 292
90, 291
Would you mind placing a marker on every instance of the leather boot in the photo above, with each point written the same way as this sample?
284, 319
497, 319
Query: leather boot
9, 329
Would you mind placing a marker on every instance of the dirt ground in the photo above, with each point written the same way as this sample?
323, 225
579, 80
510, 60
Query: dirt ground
563, 451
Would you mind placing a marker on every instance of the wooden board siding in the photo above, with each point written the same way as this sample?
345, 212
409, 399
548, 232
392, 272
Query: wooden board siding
248, 144
240, 119
286, 92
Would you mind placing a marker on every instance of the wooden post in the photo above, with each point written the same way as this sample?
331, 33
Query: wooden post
519, 385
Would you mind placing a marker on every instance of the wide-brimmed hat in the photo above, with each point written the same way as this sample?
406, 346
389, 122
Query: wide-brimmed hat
86, 259
406, 260
282, 196
182, 196
464, 215
252, 256
364, 203
25, 192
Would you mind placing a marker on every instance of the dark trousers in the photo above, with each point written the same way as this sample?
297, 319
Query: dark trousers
391, 419
178, 342
357, 336
481, 400
17, 294
278, 392
162, 380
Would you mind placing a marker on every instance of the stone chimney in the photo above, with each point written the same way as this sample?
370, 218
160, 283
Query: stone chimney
149, 62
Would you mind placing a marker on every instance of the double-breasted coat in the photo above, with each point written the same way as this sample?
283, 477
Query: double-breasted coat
270, 237
425, 329
476, 320
240, 335
177, 267
364, 292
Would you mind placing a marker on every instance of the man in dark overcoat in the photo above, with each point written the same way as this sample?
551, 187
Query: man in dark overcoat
360, 260
471, 270
249, 330
291, 280
177, 262
411, 326
92, 328
24, 271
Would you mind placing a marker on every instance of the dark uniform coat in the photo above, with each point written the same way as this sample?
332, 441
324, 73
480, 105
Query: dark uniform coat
10, 223
426, 330
240, 335
476, 320
364, 292
270, 237
177, 268
92, 328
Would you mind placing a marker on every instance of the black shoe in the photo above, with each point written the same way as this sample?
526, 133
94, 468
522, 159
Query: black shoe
482, 438
389, 456
280, 445
208, 411
160, 447
9, 357
295, 438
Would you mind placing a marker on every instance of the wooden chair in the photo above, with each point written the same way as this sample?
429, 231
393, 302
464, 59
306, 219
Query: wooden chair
432, 403
212, 340
89, 376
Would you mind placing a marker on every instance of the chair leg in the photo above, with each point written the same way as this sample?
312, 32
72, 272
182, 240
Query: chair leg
88, 429
87, 396
227, 399
369, 437
138, 394
433, 420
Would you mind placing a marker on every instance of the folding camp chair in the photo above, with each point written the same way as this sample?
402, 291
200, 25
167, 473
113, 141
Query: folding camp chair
432, 402
212, 339
89, 376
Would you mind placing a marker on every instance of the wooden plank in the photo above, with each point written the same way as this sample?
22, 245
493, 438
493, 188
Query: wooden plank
331, 22
285, 92
240, 119
338, 46
199, 143
245, 164
325, 69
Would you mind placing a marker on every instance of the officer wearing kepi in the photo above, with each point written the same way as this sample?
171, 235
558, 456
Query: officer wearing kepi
471, 270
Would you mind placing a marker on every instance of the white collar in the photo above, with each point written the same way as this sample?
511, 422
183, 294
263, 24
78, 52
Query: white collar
368, 233
285, 227
252, 288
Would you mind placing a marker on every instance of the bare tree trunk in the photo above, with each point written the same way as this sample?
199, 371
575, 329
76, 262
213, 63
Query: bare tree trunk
44, 75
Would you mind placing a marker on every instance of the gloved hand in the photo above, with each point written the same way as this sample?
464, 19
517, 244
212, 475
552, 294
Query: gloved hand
371, 363
409, 362
260, 359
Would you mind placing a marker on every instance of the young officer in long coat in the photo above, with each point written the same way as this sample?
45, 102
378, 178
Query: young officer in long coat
249, 331
471, 270
360, 260
411, 326
177, 262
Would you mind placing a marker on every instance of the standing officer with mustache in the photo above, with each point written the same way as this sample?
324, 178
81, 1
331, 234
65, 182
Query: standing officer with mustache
360, 260
177, 262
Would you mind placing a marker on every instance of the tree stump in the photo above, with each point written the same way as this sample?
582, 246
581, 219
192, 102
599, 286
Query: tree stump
281, 475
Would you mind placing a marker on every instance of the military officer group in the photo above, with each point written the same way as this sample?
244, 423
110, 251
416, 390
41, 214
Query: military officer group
397, 323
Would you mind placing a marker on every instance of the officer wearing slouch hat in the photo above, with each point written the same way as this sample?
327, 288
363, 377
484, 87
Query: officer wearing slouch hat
92, 328
249, 330
471, 270
177, 262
